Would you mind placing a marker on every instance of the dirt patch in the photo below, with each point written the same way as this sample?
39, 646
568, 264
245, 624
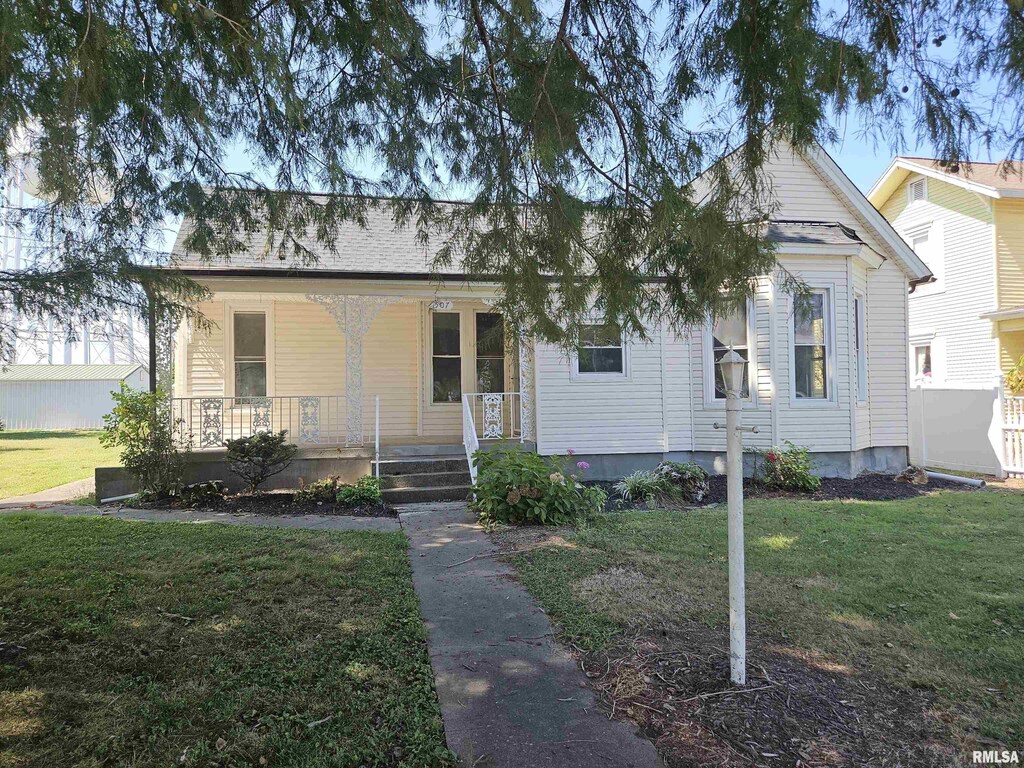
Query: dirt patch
513, 538
796, 710
275, 503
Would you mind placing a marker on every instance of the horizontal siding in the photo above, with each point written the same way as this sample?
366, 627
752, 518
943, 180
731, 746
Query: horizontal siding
391, 370
620, 416
862, 410
951, 310
638, 416
1009, 217
309, 351
205, 354
888, 369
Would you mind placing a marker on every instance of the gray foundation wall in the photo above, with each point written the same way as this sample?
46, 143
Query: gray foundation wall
888, 460
114, 481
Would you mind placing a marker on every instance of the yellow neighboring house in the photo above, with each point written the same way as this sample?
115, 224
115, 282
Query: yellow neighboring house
967, 225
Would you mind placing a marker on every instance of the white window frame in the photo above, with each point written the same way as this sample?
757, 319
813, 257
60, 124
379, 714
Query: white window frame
828, 290
610, 376
462, 358
230, 310
937, 255
860, 344
710, 399
506, 383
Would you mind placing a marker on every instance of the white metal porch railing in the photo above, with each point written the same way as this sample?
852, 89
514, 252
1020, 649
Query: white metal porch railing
489, 416
208, 422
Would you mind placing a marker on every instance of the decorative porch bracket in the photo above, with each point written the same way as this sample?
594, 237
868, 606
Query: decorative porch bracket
527, 415
354, 315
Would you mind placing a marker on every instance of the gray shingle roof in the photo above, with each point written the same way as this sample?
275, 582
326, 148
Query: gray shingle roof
383, 247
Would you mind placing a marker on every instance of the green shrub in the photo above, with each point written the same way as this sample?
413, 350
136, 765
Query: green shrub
643, 485
670, 481
362, 493
789, 469
686, 479
520, 487
141, 428
320, 491
261, 456
197, 494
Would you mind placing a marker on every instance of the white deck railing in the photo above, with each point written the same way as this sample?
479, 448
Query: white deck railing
209, 422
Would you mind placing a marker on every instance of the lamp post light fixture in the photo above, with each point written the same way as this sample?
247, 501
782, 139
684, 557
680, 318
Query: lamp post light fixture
733, 371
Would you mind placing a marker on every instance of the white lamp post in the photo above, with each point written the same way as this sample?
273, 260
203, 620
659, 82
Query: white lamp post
733, 369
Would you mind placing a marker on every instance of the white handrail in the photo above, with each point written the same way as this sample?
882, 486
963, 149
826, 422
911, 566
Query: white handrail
376, 437
469, 439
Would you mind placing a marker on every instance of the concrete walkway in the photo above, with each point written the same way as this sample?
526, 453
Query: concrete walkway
314, 522
510, 695
76, 489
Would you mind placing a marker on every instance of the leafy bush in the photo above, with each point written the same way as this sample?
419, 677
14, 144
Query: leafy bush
1015, 378
141, 428
790, 469
362, 493
686, 479
520, 487
197, 494
319, 491
643, 485
261, 456
670, 481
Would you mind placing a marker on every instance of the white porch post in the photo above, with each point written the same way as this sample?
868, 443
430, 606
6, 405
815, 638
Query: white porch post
527, 412
354, 315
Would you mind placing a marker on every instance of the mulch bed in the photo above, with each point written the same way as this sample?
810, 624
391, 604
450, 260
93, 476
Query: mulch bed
274, 503
796, 709
868, 487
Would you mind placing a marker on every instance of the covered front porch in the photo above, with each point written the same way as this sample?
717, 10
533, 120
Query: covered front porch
350, 367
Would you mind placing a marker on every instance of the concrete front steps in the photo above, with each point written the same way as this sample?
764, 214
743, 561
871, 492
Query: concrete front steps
412, 479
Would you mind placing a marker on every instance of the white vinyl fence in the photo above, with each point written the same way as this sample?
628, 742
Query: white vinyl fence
968, 428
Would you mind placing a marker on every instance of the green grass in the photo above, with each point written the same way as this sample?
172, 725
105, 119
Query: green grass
927, 592
36, 460
172, 644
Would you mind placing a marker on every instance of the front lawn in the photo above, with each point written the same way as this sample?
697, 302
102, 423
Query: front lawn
170, 644
923, 595
34, 460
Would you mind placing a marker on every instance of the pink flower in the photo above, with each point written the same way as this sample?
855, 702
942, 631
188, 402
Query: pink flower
772, 456
582, 465
570, 452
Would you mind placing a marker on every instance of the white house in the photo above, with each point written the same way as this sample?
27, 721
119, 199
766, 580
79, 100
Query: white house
967, 326
312, 349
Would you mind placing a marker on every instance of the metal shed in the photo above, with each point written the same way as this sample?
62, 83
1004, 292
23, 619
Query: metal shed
62, 396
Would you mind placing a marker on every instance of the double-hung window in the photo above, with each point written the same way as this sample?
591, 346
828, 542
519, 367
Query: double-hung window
731, 331
250, 352
601, 350
446, 357
811, 347
490, 352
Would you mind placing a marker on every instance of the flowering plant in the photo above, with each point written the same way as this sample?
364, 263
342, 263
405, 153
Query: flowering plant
790, 468
517, 486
